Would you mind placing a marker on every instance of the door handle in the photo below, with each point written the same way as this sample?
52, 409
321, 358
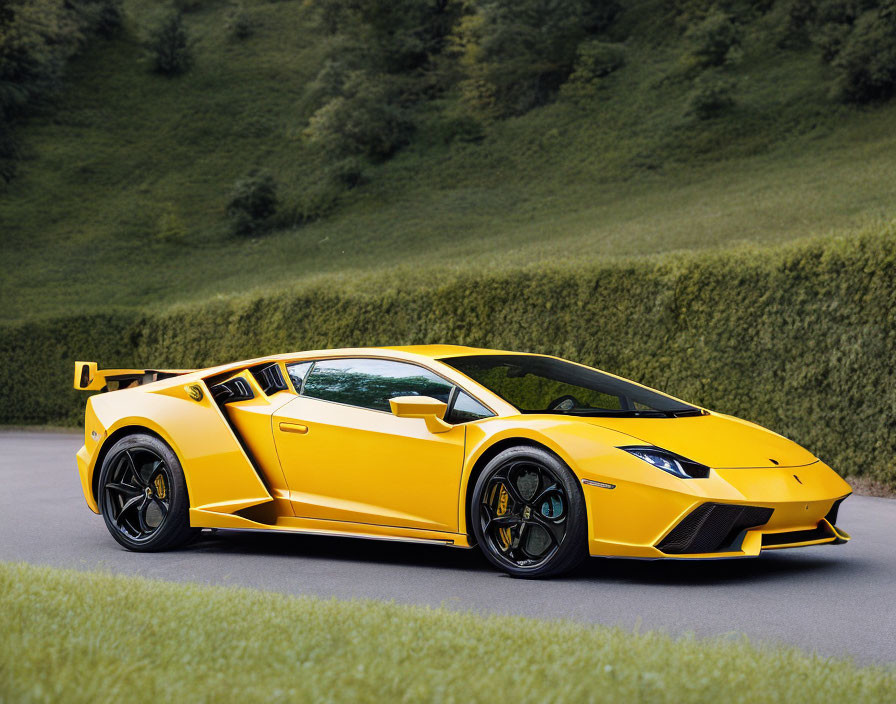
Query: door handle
293, 428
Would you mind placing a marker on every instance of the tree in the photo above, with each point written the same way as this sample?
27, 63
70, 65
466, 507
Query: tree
169, 45
517, 53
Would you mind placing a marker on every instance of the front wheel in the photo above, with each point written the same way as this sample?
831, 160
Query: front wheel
528, 513
143, 495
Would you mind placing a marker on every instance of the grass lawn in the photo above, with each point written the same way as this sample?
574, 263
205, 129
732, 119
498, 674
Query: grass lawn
78, 637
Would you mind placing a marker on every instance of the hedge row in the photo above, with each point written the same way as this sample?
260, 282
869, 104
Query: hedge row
800, 338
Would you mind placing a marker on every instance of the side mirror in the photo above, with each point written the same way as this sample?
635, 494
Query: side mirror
429, 409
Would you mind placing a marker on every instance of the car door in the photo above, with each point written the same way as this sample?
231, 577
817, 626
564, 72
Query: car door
347, 458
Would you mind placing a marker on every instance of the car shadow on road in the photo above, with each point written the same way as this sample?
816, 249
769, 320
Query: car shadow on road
766, 568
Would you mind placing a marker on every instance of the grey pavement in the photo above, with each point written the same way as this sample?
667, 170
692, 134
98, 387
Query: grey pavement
833, 600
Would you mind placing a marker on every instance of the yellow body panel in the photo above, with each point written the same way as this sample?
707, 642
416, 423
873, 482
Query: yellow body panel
286, 462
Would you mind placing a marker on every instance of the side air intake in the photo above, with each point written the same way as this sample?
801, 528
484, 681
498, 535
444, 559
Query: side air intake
713, 528
269, 378
235, 389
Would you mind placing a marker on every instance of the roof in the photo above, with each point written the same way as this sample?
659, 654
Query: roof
439, 351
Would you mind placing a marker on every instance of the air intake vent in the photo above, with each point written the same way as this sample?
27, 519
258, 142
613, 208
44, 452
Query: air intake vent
820, 532
832, 514
269, 378
713, 528
232, 390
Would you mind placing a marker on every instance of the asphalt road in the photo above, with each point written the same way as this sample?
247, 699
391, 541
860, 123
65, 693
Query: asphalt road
834, 600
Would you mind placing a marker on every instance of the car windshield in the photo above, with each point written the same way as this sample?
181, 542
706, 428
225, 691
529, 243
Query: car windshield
544, 385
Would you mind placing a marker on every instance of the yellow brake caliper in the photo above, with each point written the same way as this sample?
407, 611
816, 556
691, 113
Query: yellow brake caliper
503, 533
161, 489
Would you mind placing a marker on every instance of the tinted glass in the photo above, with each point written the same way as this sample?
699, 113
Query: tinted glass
543, 385
370, 383
467, 408
297, 373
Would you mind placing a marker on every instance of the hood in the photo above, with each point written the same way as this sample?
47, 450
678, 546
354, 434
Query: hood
718, 441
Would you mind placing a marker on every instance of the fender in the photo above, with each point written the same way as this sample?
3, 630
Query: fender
220, 476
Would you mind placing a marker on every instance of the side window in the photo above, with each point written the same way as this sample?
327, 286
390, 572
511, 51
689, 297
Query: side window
370, 383
297, 373
467, 408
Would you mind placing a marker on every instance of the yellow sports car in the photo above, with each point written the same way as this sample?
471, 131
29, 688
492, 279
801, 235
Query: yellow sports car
537, 460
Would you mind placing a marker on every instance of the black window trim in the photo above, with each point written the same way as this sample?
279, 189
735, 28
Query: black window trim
453, 394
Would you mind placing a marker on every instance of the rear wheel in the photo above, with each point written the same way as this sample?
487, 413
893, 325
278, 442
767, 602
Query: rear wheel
143, 495
528, 513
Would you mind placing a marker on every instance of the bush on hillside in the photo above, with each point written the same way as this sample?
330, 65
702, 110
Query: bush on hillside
713, 41
238, 23
368, 119
595, 60
517, 53
711, 96
866, 62
103, 17
253, 202
169, 45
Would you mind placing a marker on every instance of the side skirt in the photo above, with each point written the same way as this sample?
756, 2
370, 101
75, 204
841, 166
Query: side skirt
311, 526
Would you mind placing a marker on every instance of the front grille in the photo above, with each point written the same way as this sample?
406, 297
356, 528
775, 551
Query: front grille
820, 532
713, 528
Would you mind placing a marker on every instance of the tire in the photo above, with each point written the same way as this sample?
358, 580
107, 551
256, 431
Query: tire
528, 514
143, 496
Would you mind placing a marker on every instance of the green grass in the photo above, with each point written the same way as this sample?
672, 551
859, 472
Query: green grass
78, 637
624, 173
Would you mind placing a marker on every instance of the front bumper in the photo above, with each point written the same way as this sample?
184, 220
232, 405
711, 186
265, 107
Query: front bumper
731, 513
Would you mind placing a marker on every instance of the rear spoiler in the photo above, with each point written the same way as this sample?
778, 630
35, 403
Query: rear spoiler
89, 378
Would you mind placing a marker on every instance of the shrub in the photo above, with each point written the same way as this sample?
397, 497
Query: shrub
169, 45
712, 95
866, 61
253, 202
104, 17
713, 41
517, 53
595, 60
170, 229
239, 24
368, 119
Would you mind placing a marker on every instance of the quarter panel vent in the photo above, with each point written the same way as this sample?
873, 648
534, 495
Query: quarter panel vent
269, 378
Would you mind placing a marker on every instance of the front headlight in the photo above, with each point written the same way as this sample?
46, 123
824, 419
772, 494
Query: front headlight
676, 465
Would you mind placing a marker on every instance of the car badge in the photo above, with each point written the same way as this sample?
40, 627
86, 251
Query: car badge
194, 392
527, 512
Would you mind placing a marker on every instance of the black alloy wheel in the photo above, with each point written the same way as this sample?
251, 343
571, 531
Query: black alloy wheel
528, 513
143, 496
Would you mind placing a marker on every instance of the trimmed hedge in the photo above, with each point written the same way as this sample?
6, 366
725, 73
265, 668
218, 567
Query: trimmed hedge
800, 338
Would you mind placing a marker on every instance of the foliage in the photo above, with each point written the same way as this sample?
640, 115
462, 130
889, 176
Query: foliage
382, 62
238, 22
595, 60
517, 53
713, 41
253, 202
169, 45
858, 39
798, 338
37, 38
712, 95
866, 61
368, 119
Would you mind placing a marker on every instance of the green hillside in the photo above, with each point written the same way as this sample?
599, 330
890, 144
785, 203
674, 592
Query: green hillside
123, 182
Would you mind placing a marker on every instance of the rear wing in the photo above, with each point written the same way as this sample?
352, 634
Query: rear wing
89, 378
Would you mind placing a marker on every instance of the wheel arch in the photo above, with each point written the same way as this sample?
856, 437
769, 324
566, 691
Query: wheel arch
109, 443
484, 458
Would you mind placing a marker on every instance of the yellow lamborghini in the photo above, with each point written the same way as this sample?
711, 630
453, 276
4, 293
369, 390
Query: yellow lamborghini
538, 461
